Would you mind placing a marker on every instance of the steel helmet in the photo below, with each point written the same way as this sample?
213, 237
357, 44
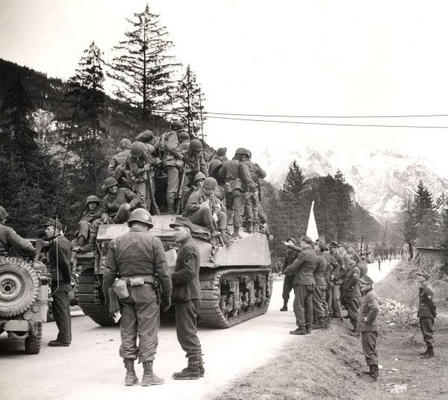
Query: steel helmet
137, 149
92, 199
209, 183
145, 136
109, 182
176, 125
195, 145
125, 143
183, 135
150, 148
199, 176
241, 151
141, 215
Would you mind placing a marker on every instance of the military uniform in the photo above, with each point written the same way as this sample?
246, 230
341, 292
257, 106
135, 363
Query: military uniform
194, 163
426, 313
362, 265
368, 327
186, 299
291, 255
351, 292
138, 257
252, 202
10, 240
303, 268
335, 293
320, 308
119, 159
59, 256
113, 204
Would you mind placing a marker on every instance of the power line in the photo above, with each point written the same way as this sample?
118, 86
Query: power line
331, 123
329, 116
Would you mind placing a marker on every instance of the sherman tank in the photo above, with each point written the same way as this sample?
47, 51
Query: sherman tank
236, 281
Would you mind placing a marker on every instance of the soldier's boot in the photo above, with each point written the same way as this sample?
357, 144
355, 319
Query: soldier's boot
201, 366
373, 372
285, 306
308, 328
256, 227
236, 232
130, 378
429, 353
299, 331
249, 227
192, 372
149, 378
328, 321
90, 246
321, 324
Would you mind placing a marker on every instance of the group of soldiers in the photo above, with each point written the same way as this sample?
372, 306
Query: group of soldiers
214, 193
327, 278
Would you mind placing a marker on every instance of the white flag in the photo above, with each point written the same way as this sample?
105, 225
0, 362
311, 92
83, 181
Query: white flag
311, 230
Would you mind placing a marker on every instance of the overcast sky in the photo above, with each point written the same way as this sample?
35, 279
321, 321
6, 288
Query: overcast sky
272, 57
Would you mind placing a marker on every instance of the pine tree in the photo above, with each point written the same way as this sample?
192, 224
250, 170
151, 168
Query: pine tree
425, 216
189, 102
143, 67
294, 181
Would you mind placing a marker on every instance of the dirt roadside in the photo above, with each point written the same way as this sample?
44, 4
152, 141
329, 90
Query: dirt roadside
329, 364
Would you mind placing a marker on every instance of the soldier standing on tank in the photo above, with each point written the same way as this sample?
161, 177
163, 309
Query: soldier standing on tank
216, 163
89, 224
291, 255
119, 159
138, 258
238, 181
186, 298
194, 161
303, 269
427, 312
368, 326
320, 308
59, 264
172, 161
118, 202
9, 239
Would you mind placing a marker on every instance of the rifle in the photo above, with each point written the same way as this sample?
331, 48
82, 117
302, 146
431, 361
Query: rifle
150, 188
180, 196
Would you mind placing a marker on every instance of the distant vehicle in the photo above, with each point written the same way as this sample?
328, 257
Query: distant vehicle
236, 281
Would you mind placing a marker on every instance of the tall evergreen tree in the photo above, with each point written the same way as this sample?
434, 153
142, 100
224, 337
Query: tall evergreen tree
409, 226
425, 216
293, 184
143, 67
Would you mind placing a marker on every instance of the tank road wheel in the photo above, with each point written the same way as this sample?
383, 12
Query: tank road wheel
32, 342
19, 286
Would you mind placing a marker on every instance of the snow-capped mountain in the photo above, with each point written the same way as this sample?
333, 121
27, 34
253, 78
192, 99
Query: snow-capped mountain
381, 179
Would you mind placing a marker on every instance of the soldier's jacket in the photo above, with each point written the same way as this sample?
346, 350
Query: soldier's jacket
197, 198
112, 202
237, 176
350, 284
337, 270
319, 272
426, 306
369, 309
90, 216
59, 256
303, 267
118, 159
185, 146
332, 265
194, 163
185, 277
340, 274
170, 147
213, 166
9, 239
362, 268
291, 255
137, 253
256, 172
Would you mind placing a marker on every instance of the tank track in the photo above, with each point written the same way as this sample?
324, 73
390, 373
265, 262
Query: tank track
231, 296
91, 298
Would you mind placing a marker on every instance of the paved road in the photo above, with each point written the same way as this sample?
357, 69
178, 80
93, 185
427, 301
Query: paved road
91, 369
379, 274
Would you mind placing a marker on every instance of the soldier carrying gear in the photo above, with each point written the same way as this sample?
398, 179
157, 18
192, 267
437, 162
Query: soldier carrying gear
427, 312
290, 256
216, 163
118, 202
9, 239
204, 208
194, 161
119, 159
184, 140
137, 260
89, 224
238, 181
186, 298
59, 256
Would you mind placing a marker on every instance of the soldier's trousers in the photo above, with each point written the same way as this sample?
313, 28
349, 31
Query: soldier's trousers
352, 305
204, 217
186, 323
336, 301
143, 190
251, 207
287, 287
61, 311
172, 186
235, 205
303, 305
89, 229
320, 308
329, 299
427, 327
139, 318
368, 341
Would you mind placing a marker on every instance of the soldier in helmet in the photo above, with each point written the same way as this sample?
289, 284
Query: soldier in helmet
184, 140
89, 224
238, 181
194, 161
427, 312
205, 209
198, 181
120, 158
118, 202
10, 240
172, 157
135, 258
216, 163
